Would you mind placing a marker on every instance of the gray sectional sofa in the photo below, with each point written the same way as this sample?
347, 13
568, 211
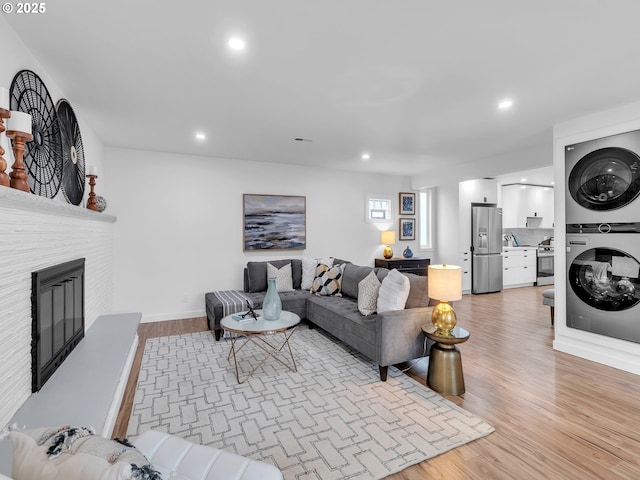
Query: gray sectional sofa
386, 338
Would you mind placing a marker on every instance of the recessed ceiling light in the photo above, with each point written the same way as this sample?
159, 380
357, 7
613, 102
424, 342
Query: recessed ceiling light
523, 179
200, 136
236, 43
366, 156
505, 104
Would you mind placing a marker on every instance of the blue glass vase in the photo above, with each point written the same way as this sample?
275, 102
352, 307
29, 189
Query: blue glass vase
407, 253
271, 305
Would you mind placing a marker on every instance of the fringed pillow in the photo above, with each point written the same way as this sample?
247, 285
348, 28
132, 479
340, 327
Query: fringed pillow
76, 452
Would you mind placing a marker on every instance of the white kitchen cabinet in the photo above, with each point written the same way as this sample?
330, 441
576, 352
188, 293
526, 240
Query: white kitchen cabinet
519, 267
522, 201
479, 191
466, 272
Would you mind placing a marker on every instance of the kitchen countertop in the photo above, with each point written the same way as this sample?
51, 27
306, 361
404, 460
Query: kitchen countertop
520, 248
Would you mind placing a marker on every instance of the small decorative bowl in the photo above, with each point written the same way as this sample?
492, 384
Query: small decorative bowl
101, 203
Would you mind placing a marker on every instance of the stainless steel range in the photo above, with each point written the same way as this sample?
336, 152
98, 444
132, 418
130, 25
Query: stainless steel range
545, 265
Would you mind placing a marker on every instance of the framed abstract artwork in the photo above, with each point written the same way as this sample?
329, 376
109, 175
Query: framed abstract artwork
407, 229
274, 222
407, 203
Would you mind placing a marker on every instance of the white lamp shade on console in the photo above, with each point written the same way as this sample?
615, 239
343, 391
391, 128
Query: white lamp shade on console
4, 98
19, 122
388, 237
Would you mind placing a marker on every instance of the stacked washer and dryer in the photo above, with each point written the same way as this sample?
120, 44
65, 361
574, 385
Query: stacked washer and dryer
602, 191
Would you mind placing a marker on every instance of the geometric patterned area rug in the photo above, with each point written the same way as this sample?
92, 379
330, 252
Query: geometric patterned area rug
332, 419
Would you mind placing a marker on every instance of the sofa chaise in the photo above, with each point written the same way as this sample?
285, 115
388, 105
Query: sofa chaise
386, 338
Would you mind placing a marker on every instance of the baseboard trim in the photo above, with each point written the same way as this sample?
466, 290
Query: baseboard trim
163, 317
599, 353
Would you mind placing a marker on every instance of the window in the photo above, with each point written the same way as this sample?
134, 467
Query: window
378, 209
426, 216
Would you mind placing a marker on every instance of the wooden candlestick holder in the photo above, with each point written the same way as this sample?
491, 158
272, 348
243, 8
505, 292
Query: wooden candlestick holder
18, 171
92, 204
4, 178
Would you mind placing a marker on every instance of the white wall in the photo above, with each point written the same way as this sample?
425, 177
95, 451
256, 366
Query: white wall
16, 57
540, 156
36, 233
179, 229
609, 351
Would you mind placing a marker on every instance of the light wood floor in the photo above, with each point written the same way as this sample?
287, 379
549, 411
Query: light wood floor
556, 416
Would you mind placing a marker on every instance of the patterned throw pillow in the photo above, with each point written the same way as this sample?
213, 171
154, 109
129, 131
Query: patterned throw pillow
71, 452
368, 294
284, 280
327, 280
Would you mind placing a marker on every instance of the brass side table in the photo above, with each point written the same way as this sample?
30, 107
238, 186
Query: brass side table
445, 365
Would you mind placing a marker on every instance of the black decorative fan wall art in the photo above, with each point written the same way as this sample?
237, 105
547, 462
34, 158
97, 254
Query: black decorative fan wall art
43, 155
72, 153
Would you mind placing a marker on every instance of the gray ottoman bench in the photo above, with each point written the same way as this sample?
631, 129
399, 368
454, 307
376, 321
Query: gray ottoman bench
548, 298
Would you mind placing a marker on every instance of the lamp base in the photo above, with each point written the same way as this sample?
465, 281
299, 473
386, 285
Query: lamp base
444, 319
387, 253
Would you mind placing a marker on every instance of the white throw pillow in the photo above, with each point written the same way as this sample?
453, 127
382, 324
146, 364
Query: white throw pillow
394, 292
309, 270
284, 280
368, 294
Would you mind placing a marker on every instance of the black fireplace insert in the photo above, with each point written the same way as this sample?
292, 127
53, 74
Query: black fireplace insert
57, 313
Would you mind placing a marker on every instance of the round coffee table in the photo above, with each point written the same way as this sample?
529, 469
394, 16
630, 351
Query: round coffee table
255, 332
445, 364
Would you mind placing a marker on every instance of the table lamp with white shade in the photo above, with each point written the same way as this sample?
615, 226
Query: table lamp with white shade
388, 238
445, 285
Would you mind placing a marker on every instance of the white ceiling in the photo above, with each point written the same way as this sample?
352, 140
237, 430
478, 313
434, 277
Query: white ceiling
414, 82
535, 176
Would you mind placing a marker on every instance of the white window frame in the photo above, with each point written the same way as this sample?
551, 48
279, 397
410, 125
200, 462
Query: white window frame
370, 210
425, 215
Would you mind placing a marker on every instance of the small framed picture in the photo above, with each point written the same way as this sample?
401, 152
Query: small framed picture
407, 203
407, 229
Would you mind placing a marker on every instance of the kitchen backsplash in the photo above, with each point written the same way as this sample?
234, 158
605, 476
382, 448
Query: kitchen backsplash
527, 236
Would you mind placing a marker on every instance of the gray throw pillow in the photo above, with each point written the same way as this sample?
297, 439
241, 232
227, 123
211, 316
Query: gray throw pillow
296, 272
418, 296
257, 274
381, 272
353, 275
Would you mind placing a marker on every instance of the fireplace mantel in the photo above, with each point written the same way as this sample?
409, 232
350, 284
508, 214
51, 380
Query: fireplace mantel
12, 198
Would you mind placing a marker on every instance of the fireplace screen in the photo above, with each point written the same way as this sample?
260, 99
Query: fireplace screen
57, 302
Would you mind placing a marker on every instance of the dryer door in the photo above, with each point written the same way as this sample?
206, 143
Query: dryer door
605, 179
606, 279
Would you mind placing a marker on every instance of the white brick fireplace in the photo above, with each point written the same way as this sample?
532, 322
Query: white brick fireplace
36, 233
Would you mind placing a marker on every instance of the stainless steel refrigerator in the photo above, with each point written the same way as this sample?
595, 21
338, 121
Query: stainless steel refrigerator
486, 249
